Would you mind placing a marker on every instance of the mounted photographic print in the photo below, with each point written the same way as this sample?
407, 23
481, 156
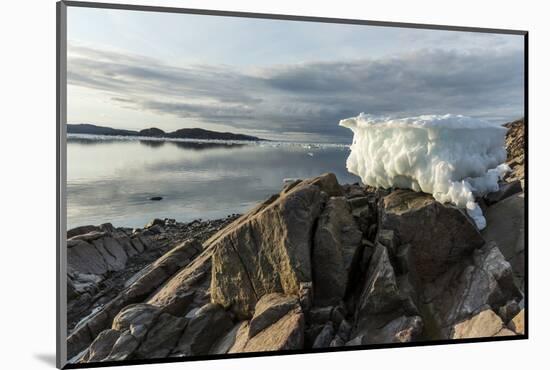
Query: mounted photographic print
236, 184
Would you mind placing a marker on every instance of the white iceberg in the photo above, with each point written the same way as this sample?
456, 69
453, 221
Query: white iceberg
453, 157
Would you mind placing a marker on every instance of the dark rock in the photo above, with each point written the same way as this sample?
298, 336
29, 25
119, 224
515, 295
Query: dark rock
506, 226
162, 337
484, 282
381, 292
337, 342
517, 324
155, 198
439, 235
101, 347
506, 189
208, 324
124, 348
508, 311
400, 330
336, 247
325, 336
226, 342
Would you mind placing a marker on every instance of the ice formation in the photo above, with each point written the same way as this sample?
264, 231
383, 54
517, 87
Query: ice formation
453, 157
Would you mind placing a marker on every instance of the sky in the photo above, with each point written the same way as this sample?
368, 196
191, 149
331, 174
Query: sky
281, 80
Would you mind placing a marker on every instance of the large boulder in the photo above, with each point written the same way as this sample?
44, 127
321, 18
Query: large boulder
439, 235
269, 309
386, 312
336, 246
268, 250
506, 226
207, 325
483, 281
485, 324
287, 333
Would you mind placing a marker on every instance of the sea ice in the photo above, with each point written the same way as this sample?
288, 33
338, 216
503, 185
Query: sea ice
453, 157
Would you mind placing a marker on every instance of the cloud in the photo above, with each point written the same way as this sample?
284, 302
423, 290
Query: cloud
310, 97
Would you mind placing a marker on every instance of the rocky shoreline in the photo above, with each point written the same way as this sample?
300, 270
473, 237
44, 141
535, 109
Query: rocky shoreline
318, 265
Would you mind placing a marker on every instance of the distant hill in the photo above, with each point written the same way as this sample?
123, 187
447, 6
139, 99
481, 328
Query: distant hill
86, 128
199, 133
184, 133
152, 132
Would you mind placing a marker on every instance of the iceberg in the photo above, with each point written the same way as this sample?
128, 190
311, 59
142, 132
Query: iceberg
453, 157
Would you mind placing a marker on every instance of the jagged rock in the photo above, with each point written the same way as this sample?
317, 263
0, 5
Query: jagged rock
381, 292
269, 309
226, 342
320, 315
336, 246
400, 330
123, 348
83, 257
337, 342
439, 235
81, 230
359, 340
344, 330
517, 324
506, 226
508, 311
162, 337
484, 324
325, 336
484, 282
135, 314
209, 323
101, 346
268, 249
285, 334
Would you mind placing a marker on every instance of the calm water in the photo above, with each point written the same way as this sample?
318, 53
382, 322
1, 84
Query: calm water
112, 180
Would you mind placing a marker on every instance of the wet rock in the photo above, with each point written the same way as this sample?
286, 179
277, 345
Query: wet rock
155, 198
336, 247
439, 235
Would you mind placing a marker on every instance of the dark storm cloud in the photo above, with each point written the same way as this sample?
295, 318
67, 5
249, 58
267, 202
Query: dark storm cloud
311, 97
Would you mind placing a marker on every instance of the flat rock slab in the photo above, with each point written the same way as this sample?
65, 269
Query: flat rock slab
485, 324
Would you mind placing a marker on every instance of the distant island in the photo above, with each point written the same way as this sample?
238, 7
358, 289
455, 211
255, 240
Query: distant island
153, 132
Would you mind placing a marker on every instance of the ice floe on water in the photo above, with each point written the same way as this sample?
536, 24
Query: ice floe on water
453, 157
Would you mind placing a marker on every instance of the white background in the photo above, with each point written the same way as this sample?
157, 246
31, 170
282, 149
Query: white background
27, 247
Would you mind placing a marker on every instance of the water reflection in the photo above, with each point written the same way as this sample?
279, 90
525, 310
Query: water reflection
113, 182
